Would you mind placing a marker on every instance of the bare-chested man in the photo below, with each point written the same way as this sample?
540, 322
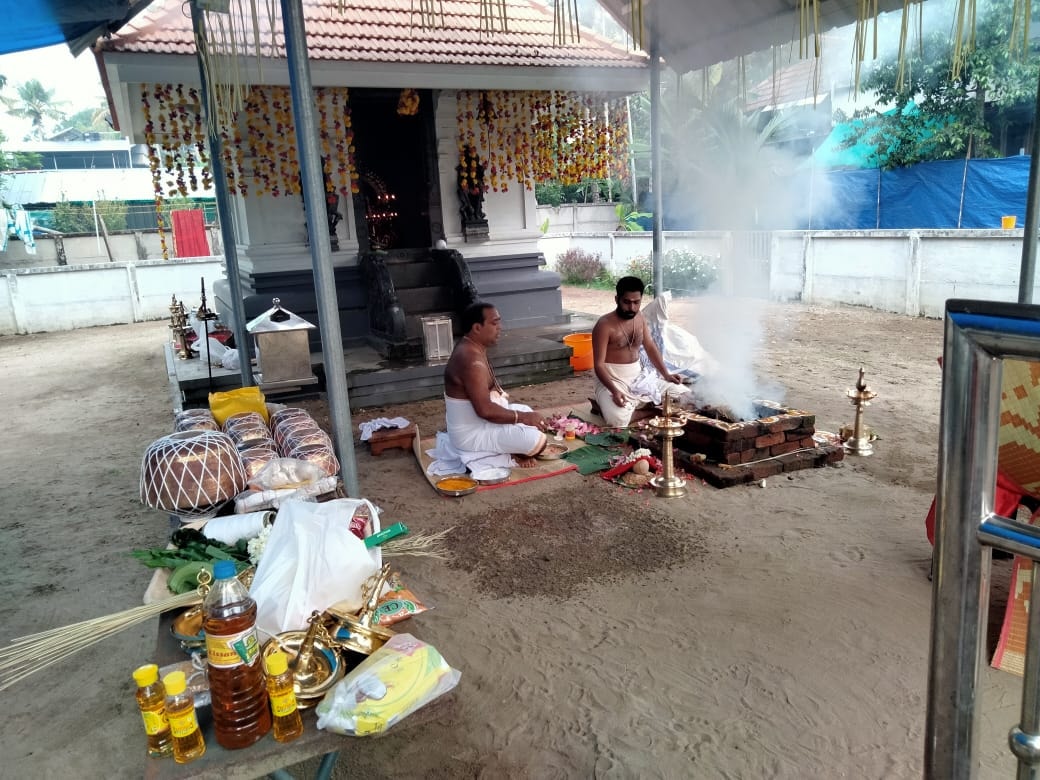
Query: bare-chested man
616, 340
479, 415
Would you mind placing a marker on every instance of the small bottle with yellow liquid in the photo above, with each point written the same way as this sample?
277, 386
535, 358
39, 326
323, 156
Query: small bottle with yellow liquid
184, 726
151, 698
288, 724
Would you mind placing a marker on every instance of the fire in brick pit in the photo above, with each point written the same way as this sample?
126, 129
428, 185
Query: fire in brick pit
726, 451
727, 414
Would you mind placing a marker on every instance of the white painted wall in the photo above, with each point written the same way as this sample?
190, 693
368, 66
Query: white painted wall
33, 300
903, 271
128, 246
906, 272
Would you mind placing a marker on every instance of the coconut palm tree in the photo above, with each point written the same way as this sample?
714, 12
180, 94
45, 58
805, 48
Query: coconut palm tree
35, 103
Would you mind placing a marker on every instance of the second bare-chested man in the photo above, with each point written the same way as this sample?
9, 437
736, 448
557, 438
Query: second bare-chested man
616, 341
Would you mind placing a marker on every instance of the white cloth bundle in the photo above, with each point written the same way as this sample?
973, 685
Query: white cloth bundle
370, 427
230, 528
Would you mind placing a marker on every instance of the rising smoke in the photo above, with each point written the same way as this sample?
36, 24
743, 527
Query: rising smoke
744, 188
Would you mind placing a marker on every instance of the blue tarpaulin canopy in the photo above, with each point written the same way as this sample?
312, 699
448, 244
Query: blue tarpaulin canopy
34, 24
942, 194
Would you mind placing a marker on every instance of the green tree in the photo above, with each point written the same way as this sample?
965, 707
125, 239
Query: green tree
35, 103
985, 111
89, 120
70, 218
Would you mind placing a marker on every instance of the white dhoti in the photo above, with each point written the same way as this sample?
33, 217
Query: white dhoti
639, 389
469, 432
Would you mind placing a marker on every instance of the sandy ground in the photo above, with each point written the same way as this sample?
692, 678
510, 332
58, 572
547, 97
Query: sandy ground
741, 633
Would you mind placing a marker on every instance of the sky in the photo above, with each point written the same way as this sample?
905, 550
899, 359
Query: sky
74, 80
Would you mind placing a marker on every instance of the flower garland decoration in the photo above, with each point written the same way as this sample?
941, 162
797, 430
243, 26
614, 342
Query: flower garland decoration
153, 164
527, 136
408, 103
262, 129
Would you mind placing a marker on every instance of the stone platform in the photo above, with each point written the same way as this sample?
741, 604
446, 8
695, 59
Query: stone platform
522, 356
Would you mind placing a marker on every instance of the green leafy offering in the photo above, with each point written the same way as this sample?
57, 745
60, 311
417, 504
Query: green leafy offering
192, 546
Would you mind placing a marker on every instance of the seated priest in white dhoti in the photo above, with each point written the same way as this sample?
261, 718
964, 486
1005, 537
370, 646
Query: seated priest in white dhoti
484, 429
630, 357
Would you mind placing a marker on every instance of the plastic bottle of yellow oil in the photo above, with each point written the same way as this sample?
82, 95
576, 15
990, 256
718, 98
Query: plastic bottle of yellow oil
151, 698
288, 724
188, 743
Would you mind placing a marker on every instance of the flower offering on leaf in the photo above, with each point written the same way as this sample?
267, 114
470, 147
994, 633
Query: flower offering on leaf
561, 422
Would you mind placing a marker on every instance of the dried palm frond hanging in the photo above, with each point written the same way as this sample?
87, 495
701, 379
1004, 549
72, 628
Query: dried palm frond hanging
808, 24
1020, 28
428, 13
635, 15
228, 41
963, 36
565, 22
493, 16
866, 10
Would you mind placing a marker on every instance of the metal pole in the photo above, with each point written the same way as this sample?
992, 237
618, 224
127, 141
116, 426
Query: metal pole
318, 235
1027, 274
227, 229
655, 150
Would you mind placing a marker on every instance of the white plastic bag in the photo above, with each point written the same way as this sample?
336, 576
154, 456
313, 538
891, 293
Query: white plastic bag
229, 360
312, 561
211, 346
396, 680
280, 473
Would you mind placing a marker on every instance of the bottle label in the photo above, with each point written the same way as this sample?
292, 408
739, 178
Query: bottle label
230, 650
283, 704
154, 722
184, 725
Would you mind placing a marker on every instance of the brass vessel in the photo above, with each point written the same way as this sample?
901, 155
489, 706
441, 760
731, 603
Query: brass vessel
314, 662
363, 635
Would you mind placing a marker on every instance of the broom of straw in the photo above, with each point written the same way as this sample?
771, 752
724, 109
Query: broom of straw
29, 654
418, 545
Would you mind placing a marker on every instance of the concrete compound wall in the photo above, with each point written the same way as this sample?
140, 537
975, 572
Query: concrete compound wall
33, 300
906, 272
84, 250
909, 272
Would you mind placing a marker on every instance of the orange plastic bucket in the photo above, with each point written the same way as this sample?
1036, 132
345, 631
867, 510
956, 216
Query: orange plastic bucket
581, 350
583, 363
1008, 223
581, 343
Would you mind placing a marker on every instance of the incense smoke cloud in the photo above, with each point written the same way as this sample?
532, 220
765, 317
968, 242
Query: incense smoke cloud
745, 198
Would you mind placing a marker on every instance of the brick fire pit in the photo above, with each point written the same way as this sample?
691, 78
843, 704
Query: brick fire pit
724, 452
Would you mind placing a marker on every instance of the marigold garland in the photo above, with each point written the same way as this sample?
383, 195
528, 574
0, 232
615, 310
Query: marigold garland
518, 137
263, 128
526, 136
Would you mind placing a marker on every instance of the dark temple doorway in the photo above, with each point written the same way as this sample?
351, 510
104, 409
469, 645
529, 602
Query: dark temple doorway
398, 206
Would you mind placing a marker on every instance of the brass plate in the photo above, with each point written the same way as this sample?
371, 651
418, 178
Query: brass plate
552, 452
456, 479
325, 671
187, 627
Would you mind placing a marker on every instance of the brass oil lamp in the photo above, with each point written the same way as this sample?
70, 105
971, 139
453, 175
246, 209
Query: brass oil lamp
668, 427
179, 328
859, 442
